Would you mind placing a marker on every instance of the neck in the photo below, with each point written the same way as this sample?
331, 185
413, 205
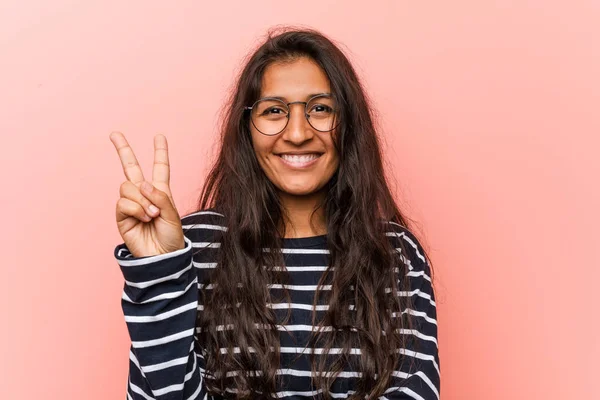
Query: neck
300, 217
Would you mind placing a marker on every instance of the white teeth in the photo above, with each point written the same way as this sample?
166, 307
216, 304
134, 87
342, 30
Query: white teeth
299, 159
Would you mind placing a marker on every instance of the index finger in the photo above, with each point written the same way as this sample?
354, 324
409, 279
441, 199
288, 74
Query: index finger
161, 170
130, 164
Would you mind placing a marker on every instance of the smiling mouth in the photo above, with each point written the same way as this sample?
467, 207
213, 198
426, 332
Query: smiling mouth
299, 160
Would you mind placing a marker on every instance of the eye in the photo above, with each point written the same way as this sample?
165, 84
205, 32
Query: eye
320, 108
274, 111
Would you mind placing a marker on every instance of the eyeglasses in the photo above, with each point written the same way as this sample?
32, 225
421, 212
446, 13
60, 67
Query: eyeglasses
271, 115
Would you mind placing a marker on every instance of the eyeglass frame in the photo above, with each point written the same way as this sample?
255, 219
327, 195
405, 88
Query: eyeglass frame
306, 115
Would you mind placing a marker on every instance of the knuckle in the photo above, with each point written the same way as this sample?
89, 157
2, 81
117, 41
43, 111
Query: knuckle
123, 188
160, 194
144, 202
140, 212
121, 208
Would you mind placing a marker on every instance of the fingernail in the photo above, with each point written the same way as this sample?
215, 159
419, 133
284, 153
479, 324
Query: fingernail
146, 187
152, 208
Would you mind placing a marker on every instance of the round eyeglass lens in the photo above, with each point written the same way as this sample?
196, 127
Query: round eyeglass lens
270, 116
322, 113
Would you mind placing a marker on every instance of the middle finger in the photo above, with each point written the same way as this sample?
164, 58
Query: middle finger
130, 164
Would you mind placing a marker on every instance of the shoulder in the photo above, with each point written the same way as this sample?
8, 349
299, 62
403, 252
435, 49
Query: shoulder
408, 246
208, 215
203, 225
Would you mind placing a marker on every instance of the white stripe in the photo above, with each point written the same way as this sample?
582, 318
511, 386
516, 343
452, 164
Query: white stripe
325, 307
300, 373
179, 386
418, 293
404, 259
135, 362
407, 239
426, 379
278, 306
417, 334
420, 273
167, 364
301, 393
124, 252
160, 317
302, 327
197, 392
296, 350
163, 340
300, 251
291, 393
301, 268
205, 265
152, 282
335, 395
315, 392
298, 287
316, 328
342, 374
139, 391
305, 288
205, 226
208, 286
354, 351
283, 328
308, 307
207, 245
163, 296
203, 213
156, 258
420, 356
308, 268
321, 351
415, 248
405, 390
395, 234
417, 314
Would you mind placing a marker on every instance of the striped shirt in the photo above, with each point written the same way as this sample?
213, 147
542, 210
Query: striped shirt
161, 300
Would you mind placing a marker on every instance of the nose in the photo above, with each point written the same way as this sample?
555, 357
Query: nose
298, 130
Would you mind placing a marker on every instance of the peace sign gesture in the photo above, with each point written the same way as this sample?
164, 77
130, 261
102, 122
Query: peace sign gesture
146, 215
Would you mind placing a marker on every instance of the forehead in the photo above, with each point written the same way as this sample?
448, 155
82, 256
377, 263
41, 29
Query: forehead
296, 80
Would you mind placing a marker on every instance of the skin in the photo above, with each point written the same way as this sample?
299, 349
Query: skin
299, 190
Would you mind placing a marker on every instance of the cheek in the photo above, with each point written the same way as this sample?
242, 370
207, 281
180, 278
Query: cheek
331, 148
333, 166
262, 147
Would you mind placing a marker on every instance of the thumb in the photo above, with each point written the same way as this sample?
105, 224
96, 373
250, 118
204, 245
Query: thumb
161, 200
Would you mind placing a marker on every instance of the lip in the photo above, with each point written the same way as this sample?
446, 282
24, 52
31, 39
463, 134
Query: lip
299, 153
299, 166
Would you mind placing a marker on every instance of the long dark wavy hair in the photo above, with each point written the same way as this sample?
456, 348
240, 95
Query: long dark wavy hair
357, 203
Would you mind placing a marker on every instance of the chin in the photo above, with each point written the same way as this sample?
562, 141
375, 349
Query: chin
300, 191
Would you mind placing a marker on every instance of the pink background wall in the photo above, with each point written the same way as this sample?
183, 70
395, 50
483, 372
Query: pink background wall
491, 116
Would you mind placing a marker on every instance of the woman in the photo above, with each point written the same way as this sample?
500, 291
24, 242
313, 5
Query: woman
297, 276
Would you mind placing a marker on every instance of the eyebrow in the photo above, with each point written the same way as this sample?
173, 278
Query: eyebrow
283, 98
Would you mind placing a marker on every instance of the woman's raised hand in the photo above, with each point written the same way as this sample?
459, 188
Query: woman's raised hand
146, 215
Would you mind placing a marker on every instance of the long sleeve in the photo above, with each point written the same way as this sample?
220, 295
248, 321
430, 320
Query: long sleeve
160, 301
420, 381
